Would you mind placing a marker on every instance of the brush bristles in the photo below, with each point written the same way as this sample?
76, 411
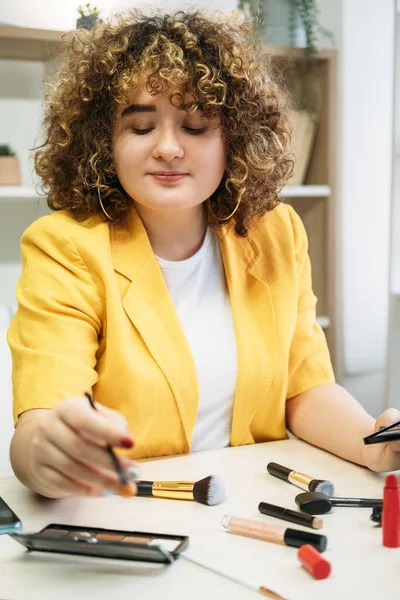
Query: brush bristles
320, 485
209, 490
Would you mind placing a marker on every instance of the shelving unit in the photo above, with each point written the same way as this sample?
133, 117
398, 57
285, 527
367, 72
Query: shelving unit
18, 192
314, 201
23, 43
26, 192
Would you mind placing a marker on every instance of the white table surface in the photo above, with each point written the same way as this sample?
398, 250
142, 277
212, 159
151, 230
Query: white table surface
362, 569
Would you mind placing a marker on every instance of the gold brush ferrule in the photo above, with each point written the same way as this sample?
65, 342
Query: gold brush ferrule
179, 490
300, 479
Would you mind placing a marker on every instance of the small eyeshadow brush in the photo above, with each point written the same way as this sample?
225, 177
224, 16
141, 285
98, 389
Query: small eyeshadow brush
126, 489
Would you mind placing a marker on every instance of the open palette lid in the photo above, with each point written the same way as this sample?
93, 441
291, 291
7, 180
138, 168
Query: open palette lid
105, 543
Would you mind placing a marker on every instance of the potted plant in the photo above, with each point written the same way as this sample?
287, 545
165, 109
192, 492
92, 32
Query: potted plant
89, 17
9, 166
288, 22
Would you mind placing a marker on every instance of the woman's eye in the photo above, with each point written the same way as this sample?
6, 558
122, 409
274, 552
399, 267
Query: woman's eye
190, 130
195, 130
142, 131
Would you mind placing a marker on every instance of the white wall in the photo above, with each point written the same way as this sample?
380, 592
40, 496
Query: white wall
366, 125
366, 168
395, 266
62, 14
393, 378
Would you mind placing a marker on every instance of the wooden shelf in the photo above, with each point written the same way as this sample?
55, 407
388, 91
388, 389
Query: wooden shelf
26, 192
285, 52
18, 192
306, 191
23, 43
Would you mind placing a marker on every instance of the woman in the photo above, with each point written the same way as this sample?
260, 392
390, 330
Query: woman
170, 282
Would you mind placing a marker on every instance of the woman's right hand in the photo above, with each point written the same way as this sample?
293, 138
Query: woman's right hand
67, 453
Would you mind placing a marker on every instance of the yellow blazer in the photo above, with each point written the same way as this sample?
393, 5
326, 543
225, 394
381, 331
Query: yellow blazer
94, 312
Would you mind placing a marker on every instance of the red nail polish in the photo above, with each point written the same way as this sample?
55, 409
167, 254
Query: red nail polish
126, 443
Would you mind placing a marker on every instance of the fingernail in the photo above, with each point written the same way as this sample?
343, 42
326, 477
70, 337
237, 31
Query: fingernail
133, 472
126, 443
106, 493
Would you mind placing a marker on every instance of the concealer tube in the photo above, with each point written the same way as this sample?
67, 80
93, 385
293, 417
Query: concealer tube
273, 533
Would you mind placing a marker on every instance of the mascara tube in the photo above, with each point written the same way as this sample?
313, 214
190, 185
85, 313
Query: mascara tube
290, 515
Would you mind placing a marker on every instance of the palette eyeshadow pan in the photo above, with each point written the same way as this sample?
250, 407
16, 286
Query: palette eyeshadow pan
105, 543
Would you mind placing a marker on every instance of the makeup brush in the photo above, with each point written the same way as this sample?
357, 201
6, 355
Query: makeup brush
209, 490
126, 488
305, 482
317, 503
261, 589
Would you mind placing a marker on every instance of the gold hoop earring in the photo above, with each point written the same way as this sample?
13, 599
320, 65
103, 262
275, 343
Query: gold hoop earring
102, 206
224, 218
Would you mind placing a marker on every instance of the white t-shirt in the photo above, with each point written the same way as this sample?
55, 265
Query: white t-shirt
200, 293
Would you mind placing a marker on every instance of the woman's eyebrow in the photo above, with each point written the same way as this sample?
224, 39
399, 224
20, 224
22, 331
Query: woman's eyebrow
146, 108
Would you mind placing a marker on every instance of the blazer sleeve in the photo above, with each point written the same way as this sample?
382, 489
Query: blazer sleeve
309, 360
54, 334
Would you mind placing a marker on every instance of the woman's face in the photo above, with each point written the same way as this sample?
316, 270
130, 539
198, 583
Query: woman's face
165, 158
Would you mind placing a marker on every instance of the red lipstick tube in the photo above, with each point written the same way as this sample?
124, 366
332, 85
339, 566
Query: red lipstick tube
391, 512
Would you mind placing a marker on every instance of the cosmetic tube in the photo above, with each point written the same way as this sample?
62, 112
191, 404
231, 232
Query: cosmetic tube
391, 512
273, 533
290, 515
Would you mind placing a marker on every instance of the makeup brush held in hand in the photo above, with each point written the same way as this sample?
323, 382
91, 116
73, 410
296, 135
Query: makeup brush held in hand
209, 490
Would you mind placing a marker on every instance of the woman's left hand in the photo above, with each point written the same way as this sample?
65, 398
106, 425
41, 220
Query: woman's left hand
384, 456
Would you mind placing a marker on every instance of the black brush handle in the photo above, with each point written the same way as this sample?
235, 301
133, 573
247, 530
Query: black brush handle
144, 488
366, 502
286, 514
279, 471
120, 471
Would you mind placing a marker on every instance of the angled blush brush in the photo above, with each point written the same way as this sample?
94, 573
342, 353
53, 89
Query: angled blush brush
209, 490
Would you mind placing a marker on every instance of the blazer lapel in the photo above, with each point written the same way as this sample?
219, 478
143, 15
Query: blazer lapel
150, 308
254, 321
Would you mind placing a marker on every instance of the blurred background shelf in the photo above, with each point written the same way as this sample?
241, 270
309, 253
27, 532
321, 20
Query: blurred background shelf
18, 192
26, 192
24, 43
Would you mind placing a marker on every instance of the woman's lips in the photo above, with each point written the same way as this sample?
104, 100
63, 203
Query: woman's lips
168, 177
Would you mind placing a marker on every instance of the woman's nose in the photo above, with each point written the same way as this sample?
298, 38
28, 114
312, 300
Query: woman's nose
168, 145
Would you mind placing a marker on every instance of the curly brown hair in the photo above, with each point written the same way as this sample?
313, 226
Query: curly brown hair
215, 59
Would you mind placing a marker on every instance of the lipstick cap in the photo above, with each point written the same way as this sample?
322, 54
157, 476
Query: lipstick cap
297, 538
315, 564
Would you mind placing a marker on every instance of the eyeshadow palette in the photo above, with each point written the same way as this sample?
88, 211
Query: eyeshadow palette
105, 543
